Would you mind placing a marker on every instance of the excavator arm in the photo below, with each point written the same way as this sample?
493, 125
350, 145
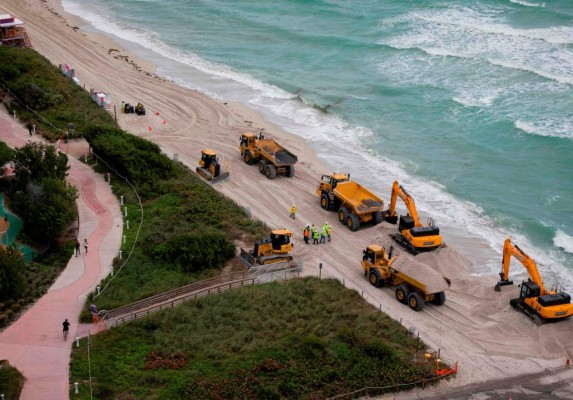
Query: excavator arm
511, 250
398, 190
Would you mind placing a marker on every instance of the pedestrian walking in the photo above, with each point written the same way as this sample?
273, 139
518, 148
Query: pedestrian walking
293, 211
323, 235
306, 233
30, 128
315, 236
328, 230
86, 245
78, 252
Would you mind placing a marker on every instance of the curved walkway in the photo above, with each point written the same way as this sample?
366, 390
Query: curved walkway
34, 343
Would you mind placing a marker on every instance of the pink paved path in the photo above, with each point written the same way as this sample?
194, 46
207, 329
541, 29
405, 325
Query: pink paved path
34, 343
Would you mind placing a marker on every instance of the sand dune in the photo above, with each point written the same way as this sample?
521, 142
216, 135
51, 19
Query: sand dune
475, 326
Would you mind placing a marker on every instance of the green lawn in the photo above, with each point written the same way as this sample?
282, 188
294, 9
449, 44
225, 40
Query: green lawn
302, 339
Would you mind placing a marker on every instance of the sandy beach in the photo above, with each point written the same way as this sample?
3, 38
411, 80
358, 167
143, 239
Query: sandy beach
476, 326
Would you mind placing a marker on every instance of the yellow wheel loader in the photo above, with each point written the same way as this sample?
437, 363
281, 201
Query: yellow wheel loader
273, 250
416, 283
413, 236
209, 167
538, 303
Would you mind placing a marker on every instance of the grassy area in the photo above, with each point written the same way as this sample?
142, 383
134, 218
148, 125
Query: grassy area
302, 339
41, 86
186, 227
11, 381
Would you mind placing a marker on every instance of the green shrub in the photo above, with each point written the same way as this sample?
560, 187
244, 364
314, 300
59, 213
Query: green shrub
196, 251
11, 380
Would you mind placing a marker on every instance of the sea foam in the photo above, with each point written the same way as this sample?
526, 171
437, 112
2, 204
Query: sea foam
563, 241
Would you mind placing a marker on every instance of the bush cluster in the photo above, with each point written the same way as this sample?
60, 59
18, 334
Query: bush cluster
302, 339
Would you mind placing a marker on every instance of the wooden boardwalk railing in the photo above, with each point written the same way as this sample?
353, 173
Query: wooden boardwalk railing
176, 296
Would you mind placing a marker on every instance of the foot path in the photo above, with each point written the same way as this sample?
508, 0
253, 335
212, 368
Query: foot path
34, 343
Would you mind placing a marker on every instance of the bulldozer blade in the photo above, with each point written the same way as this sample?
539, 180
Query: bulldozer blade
221, 178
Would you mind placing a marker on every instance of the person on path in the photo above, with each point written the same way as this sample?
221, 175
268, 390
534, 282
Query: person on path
66, 326
86, 245
323, 235
315, 236
78, 252
306, 233
328, 230
293, 211
30, 127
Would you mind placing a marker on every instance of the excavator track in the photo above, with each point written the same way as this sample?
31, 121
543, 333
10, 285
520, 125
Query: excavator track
398, 238
524, 308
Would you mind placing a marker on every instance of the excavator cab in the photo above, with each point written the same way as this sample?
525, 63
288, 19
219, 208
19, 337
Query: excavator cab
529, 289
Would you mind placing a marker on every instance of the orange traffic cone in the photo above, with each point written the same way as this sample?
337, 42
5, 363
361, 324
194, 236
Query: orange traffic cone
567, 362
164, 121
149, 128
157, 113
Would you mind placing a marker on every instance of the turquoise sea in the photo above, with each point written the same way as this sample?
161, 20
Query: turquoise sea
469, 104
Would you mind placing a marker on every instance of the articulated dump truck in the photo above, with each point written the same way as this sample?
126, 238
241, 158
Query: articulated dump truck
416, 283
355, 204
271, 157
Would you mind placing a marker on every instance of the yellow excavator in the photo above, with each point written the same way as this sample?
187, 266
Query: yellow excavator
538, 303
209, 167
269, 251
413, 236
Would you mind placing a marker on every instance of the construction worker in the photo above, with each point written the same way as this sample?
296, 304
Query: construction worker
315, 236
293, 211
122, 106
328, 230
306, 233
323, 235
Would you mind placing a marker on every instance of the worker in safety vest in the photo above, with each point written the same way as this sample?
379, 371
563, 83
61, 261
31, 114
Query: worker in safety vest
328, 230
293, 212
315, 236
306, 233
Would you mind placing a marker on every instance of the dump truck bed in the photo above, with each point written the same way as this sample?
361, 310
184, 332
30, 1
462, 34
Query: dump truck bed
420, 275
363, 200
276, 153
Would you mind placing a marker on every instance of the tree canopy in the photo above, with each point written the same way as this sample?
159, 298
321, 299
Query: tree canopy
36, 161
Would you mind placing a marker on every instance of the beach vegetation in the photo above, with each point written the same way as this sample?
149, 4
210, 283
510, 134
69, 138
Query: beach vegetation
36, 87
11, 381
300, 339
6, 155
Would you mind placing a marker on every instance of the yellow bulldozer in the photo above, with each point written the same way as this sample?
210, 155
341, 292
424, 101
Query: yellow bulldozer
209, 167
273, 250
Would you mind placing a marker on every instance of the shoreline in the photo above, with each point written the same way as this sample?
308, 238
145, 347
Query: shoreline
480, 330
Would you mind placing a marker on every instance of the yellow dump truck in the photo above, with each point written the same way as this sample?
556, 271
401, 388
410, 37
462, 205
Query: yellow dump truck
416, 283
272, 158
354, 203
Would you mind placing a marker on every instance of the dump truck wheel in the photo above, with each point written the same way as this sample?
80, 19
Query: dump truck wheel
415, 301
342, 213
402, 293
248, 157
374, 278
352, 222
271, 172
324, 201
290, 171
439, 299
377, 218
262, 166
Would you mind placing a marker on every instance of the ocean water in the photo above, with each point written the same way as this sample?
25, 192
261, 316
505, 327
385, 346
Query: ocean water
469, 104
